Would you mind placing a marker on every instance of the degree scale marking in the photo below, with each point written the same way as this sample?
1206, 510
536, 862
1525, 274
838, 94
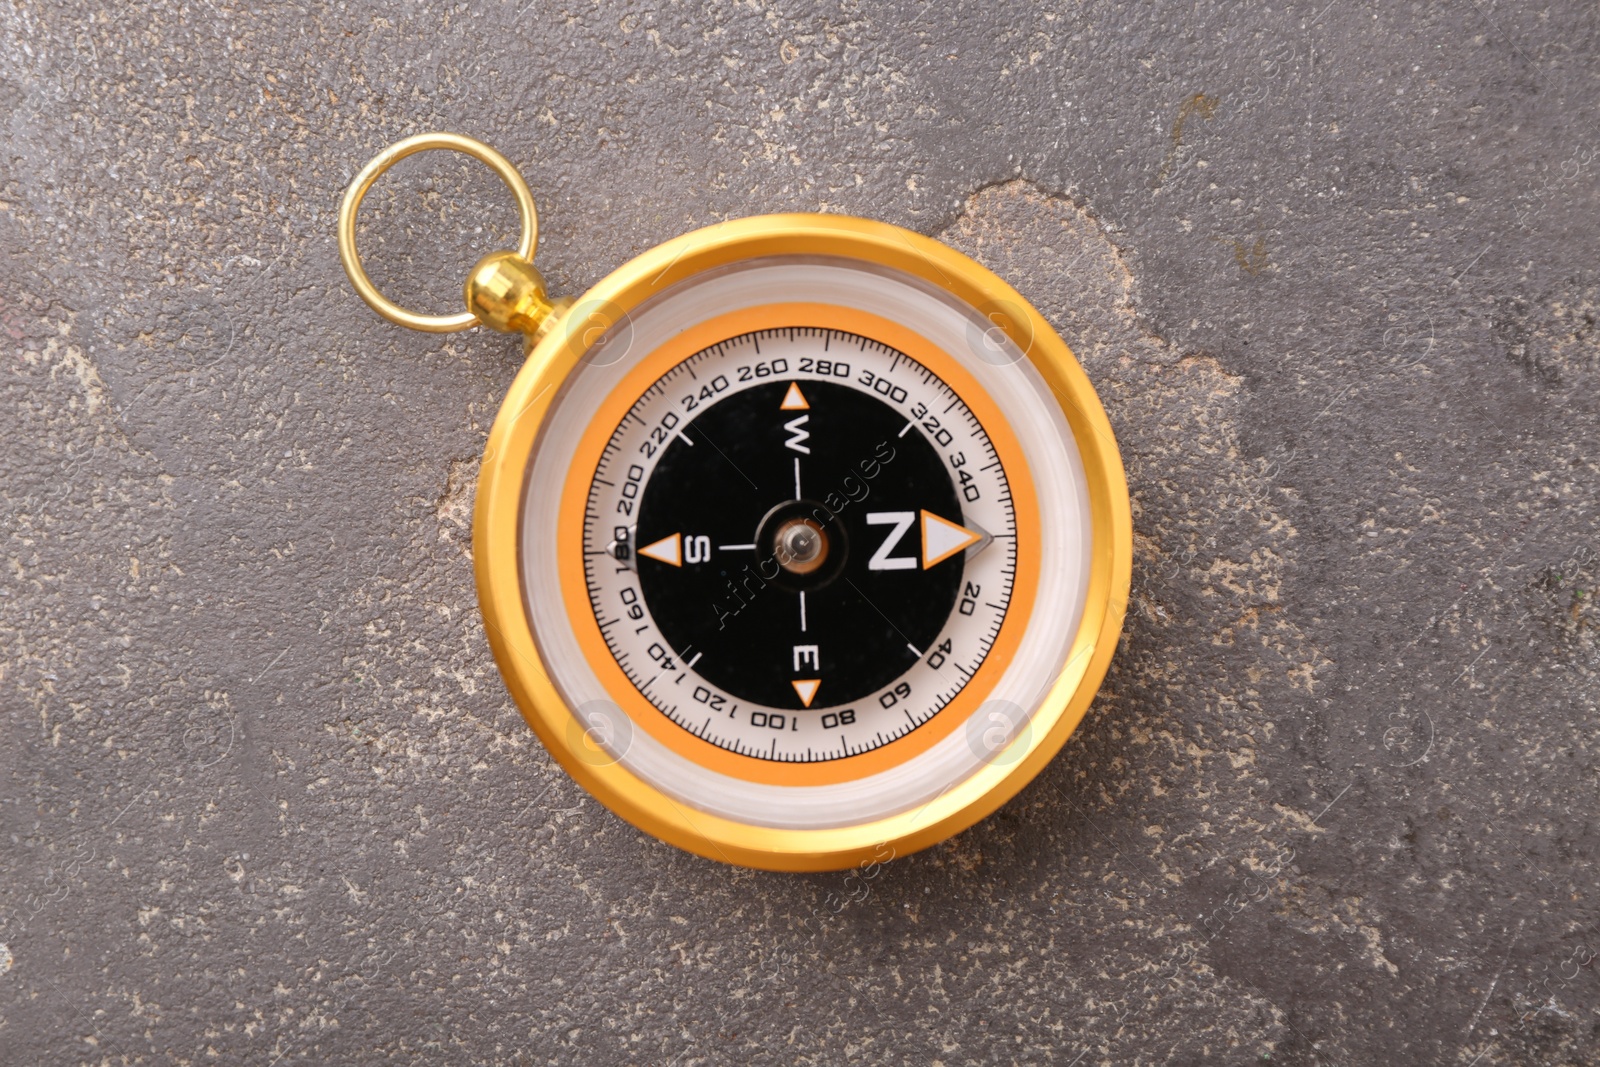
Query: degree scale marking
729, 726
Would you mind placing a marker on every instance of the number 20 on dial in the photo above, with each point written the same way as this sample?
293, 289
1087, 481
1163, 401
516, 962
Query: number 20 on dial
801, 540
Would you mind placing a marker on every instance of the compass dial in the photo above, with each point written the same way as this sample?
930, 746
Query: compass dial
778, 539
800, 549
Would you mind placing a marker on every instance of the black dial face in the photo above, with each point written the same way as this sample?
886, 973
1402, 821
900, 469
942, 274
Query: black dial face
810, 519
799, 544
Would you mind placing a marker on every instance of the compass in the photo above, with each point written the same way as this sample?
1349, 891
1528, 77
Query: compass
801, 540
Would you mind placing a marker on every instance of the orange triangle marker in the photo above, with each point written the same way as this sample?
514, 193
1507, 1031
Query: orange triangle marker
942, 539
806, 689
793, 400
667, 550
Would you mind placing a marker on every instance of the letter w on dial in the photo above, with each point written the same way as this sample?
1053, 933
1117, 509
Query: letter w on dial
798, 434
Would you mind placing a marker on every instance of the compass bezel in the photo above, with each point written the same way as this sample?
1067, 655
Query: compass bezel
499, 506
779, 315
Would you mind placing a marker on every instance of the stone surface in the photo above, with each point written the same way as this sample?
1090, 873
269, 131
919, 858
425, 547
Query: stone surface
1334, 270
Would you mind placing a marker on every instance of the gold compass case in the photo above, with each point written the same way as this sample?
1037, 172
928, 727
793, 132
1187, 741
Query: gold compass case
587, 637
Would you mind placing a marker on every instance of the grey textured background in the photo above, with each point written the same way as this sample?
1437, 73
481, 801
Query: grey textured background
1335, 269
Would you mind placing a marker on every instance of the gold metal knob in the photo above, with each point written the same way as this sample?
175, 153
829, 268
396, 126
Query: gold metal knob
507, 293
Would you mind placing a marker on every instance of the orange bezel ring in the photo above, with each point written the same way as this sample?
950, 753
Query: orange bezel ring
569, 545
